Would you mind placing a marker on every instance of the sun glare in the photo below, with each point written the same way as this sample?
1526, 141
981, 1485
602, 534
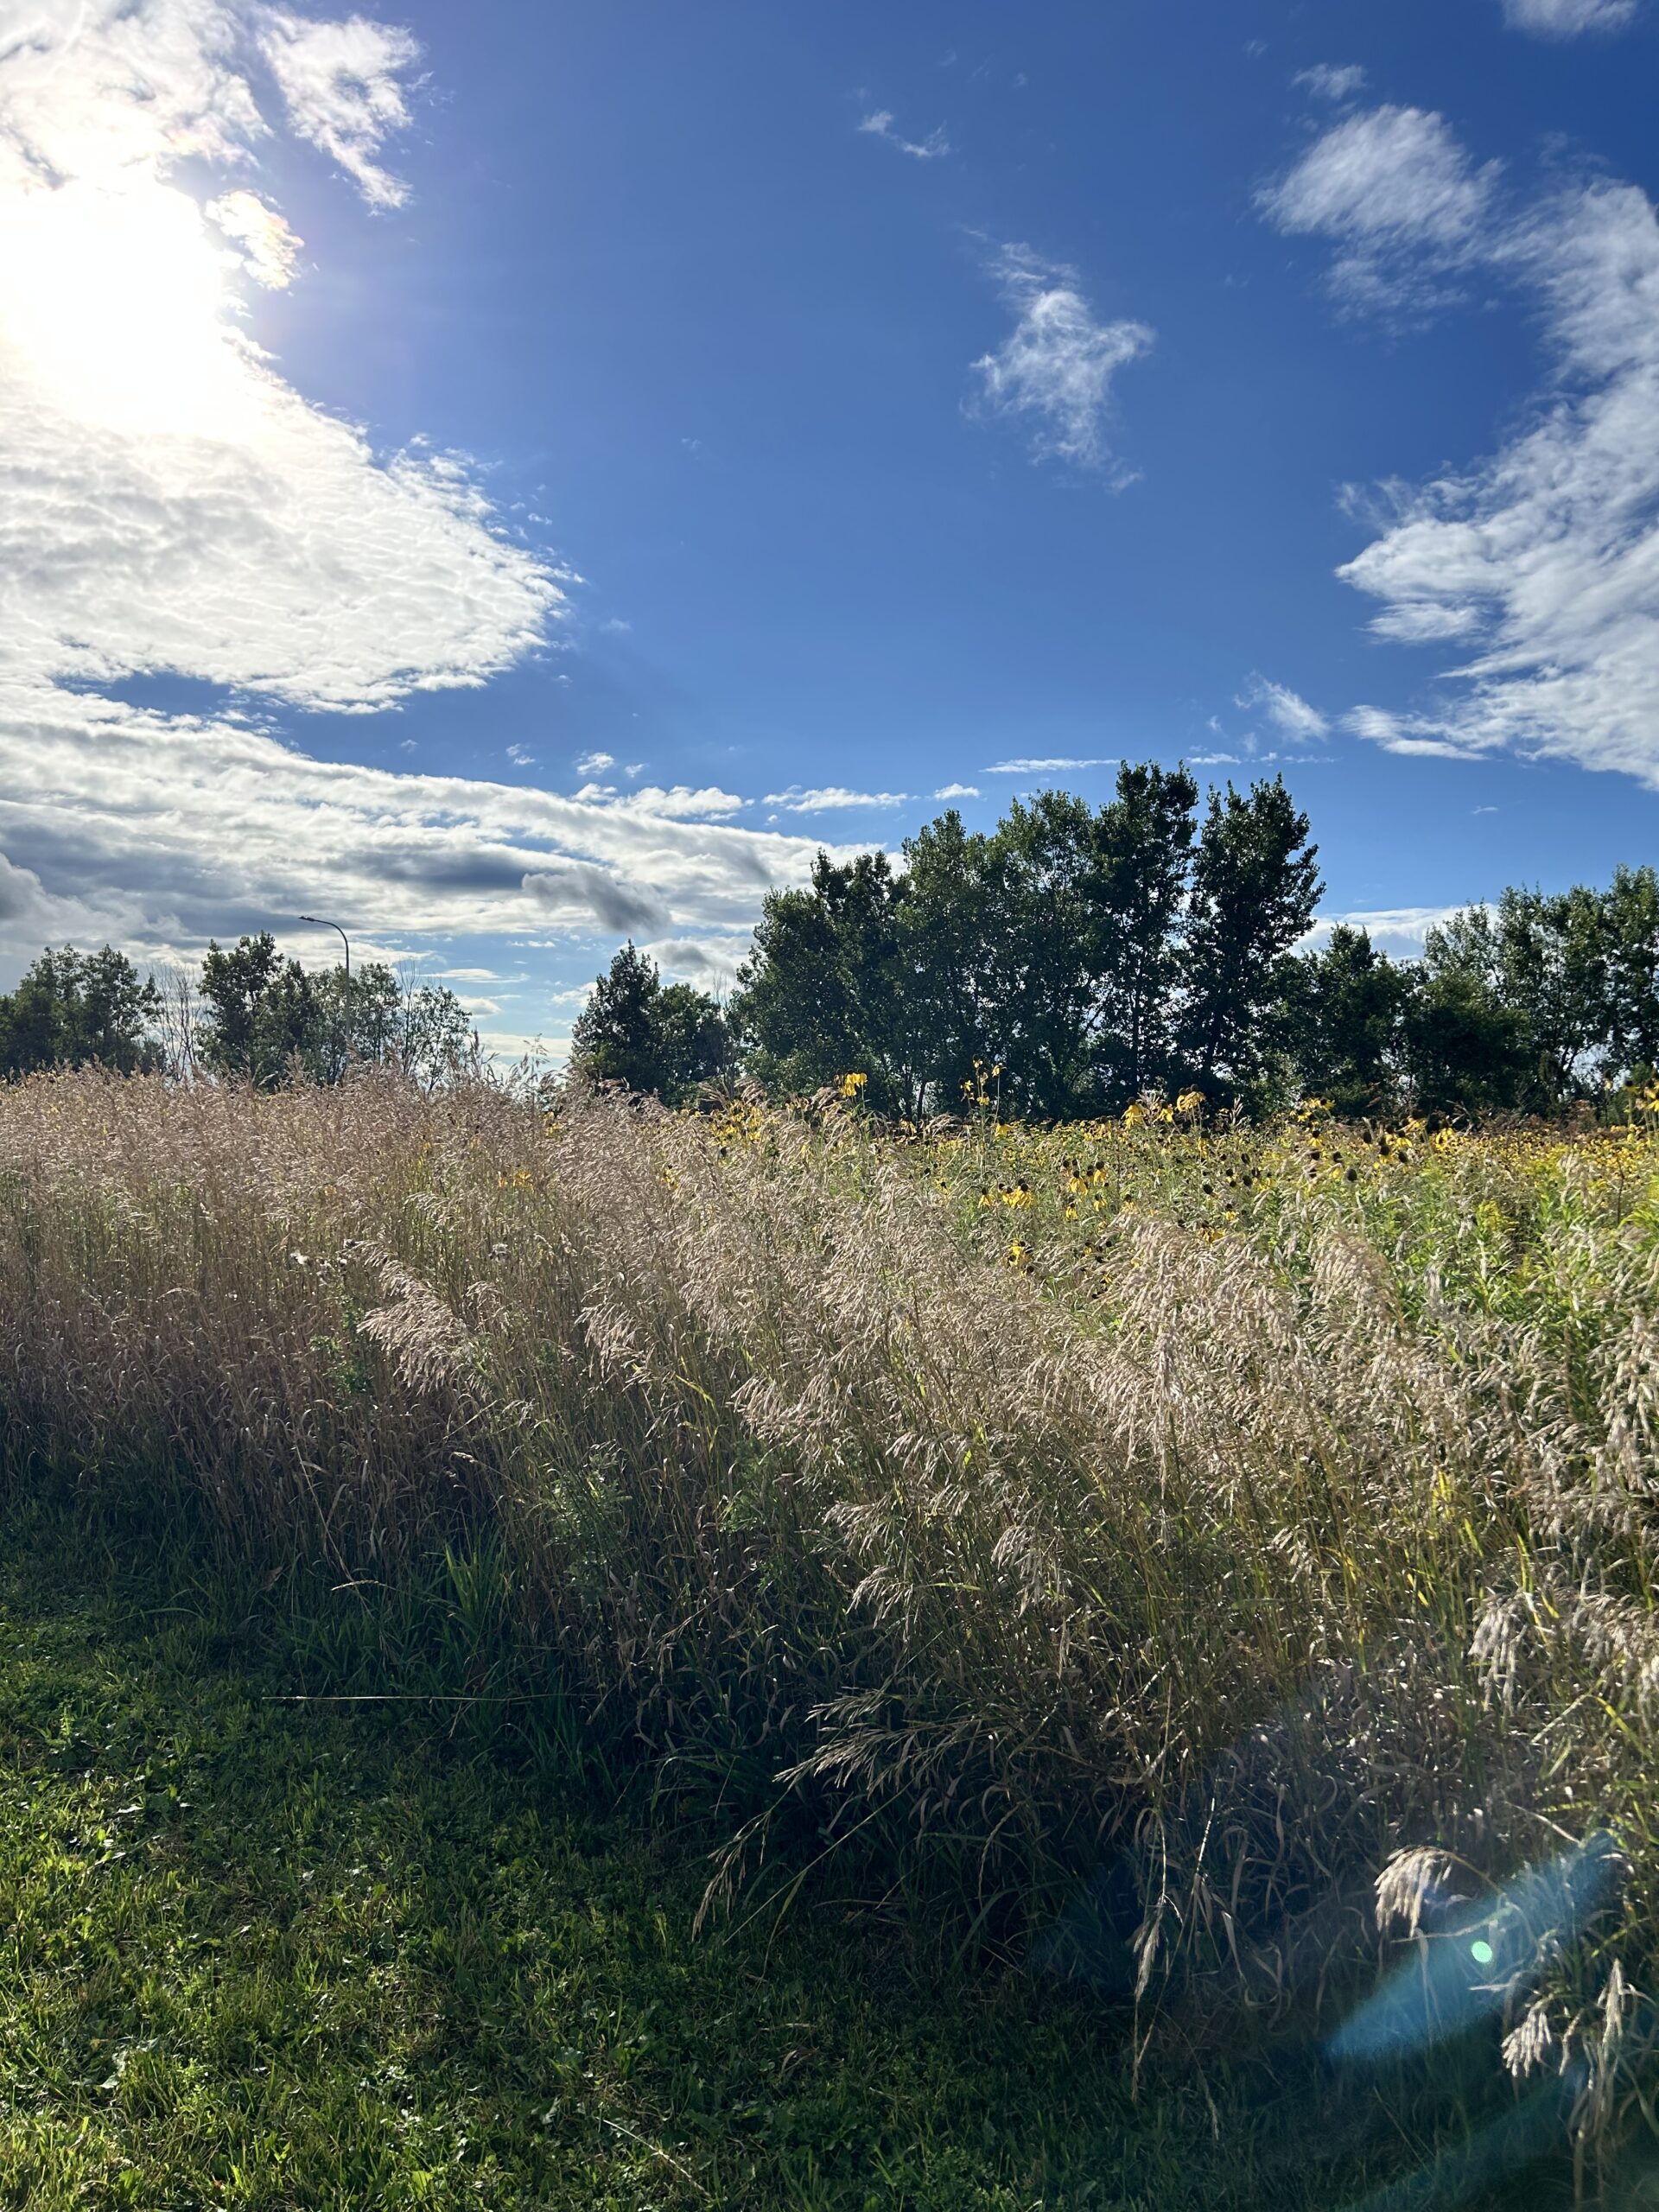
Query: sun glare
117, 304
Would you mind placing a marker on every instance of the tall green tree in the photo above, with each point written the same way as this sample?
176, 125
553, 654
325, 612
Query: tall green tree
264, 1017
383, 1018
1466, 1047
71, 1007
635, 1030
1347, 1023
949, 914
826, 989
1145, 840
1048, 949
1255, 886
1552, 973
1631, 956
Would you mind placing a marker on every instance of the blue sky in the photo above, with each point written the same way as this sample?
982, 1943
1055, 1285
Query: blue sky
518, 475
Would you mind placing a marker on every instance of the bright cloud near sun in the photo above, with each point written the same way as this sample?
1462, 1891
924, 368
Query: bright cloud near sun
170, 506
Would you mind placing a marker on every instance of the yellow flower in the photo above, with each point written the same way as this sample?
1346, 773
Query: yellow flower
1135, 1114
852, 1084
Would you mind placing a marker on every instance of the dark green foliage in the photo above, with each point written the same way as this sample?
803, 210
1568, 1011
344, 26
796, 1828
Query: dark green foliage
649, 1035
1345, 1007
1094, 956
262, 1017
1145, 837
1254, 889
1465, 1045
267, 1020
71, 1007
1048, 945
826, 990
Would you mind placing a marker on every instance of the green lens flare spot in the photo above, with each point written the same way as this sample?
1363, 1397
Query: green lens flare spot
1481, 1952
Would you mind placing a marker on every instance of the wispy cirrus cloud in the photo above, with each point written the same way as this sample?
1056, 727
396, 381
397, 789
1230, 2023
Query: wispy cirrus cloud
1055, 369
1399, 197
1568, 18
1332, 81
342, 84
1049, 768
1290, 714
880, 124
1542, 562
1539, 564
829, 798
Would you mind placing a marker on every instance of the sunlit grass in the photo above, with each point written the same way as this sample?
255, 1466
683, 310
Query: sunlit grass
1257, 1522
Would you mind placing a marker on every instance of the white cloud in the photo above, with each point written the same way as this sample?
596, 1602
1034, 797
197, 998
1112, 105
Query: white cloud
1023, 768
958, 791
680, 802
1544, 560
170, 507
1291, 715
340, 83
1402, 199
1395, 929
1566, 18
825, 797
594, 764
267, 247
520, 757
1330, 82
931, 149
1058, 365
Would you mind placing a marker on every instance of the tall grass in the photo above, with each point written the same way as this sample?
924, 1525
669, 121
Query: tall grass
1215, 1558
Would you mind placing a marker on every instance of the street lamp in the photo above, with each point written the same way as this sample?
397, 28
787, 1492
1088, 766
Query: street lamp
318, 922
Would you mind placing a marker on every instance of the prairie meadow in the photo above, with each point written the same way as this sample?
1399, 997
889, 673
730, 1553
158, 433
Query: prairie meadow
1212, 1566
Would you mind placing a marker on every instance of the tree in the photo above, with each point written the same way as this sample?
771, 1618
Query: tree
71, 1007
1630, 954
953, 893
1146, 840
1347, 1023
384, 1017
1049, 944
1255, 886
635, 1030
1467, 1048
1552, 973
827, 988
263, 1015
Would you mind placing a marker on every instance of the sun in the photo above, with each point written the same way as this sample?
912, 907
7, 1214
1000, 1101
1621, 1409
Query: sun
117, 303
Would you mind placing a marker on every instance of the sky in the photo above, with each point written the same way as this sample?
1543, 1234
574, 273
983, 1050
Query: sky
513, 477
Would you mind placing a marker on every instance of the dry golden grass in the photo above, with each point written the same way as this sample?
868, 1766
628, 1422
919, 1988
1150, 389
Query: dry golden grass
1250, 1535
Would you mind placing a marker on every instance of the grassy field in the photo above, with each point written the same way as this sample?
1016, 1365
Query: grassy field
1206, 1572
260, 1954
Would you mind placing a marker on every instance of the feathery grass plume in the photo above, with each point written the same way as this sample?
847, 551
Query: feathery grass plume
1276, 1537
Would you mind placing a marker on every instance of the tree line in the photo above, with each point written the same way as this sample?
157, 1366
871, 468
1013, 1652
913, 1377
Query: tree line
250, 1014
1065, 962
1094, 956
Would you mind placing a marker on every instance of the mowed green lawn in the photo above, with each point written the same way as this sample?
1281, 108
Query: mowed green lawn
323, 1955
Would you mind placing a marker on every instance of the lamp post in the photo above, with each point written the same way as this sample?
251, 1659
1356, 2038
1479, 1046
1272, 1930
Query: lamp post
319, 922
